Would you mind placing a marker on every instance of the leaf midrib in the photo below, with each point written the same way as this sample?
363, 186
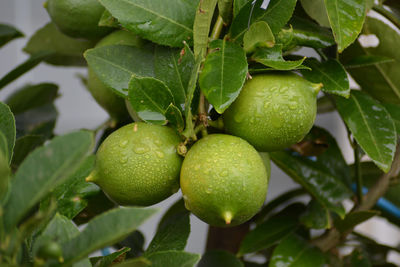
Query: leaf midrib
368, 127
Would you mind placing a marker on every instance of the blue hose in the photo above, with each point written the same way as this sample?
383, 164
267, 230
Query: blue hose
382, 203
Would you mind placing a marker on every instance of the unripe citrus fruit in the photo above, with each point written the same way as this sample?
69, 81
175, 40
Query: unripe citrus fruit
78, 18
104, 95
50, 250
223, 180
273, 111
138, 164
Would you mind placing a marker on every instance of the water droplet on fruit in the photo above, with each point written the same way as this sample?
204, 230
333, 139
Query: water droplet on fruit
224, 173
238, 117
158, 142
123, 143
124, 160
160, 154
293, 105
197, 167
141, 149
209, 190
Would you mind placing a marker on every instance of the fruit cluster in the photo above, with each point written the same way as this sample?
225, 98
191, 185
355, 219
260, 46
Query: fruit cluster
223, 177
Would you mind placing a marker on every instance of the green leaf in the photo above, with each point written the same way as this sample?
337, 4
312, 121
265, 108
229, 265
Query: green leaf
72, 195
331, 74
8, 33
173, 259
32, 96
315, 178
327, 154
294, 251
162, 22
353, 219
24, 67
367, 60
66, 51
379, 80
114, 65
238, 5
174, 117
223, 74
306, 33
135, 241
225, 8
277, 15
219, 258
390, 9
272, 57
316, 10
111, 259
174, 69
107, 20
42, 171
37, 121
98, 233
394, 111
269, 232
5, 171
150, 98
316, 216
137, 262
172, 233
23, 146
276, 202
201, 27
346, 18
371, 126
60, 229
7, 127
258, 35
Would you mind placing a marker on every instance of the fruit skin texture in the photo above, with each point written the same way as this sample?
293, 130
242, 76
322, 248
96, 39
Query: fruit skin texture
273, 111
78, 18
138, 164
104, 96
223, 180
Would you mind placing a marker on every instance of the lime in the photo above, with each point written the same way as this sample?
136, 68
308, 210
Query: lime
223, 179
104, 95
273, 111
50, 250
78, 18
138, 164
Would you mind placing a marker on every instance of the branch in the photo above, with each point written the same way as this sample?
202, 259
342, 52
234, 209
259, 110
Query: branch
333, 237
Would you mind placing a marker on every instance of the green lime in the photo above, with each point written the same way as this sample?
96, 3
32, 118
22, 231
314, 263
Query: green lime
78, 18
104, 95
273, 111
223, 180
50, 250
138, 164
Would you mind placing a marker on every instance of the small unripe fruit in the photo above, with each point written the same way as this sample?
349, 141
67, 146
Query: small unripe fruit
77, 18
50, 250
273, 111
224, 180
138, 164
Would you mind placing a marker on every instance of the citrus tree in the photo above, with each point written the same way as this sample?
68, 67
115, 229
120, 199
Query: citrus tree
202, 95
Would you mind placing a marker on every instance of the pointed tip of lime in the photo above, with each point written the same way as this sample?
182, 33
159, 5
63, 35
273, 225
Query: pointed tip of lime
228, 217
317, 87
91, 177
